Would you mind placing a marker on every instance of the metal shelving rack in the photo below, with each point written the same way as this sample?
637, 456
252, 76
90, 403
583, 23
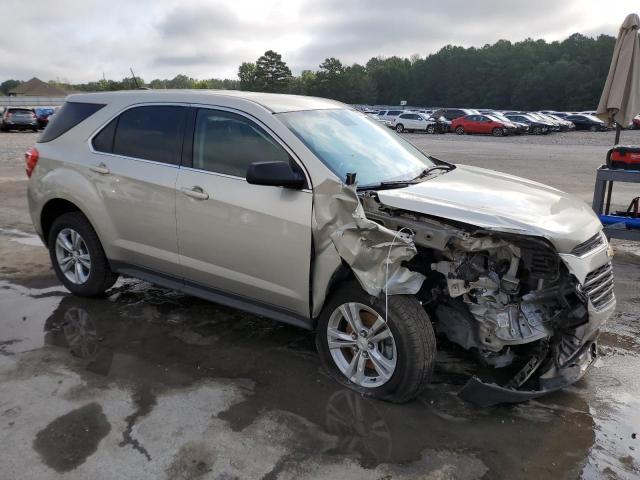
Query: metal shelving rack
602, 199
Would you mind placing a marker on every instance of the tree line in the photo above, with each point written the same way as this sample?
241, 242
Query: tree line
528, 75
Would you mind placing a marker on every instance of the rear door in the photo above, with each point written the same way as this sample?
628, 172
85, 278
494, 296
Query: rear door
249, 240
485, 125
134, 166
417, 123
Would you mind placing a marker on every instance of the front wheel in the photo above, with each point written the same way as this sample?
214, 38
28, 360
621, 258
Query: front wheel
390, 360
498, 132
399, 128
537, 130
431, 129
460, 130
593, 128
77, 256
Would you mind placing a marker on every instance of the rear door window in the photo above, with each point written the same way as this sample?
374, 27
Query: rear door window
21, 111
69, 115
228, 143
151, 132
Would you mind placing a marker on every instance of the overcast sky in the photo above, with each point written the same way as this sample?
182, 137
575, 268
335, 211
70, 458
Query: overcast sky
78, 40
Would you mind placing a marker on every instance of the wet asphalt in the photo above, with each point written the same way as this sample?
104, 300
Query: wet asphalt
150, 383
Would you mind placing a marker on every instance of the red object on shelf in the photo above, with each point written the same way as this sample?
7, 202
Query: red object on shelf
626, 157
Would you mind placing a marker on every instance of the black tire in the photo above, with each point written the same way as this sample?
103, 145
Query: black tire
497, 132
460, 130
100, 278
34, 129
413, 335
537, 130
399, 128
593, 128
431, 129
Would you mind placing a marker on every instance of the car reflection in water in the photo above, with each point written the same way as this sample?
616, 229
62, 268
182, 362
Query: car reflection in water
155, 340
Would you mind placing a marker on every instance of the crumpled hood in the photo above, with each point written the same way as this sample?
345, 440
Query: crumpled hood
502, 202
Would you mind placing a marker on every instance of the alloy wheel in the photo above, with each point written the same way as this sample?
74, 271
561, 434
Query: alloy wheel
73, 256
361, 345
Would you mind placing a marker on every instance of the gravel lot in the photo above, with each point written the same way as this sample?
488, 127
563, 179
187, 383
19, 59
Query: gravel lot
149, 383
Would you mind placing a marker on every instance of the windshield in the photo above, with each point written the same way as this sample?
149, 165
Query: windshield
496, 118
500, 117
593, 118
347, 141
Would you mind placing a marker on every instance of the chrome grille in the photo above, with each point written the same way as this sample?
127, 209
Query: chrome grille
598, 286
588, 245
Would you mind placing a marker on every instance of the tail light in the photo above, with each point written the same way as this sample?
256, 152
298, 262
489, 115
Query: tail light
31, 159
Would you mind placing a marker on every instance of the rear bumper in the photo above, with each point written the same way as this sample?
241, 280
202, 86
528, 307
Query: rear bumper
19, 126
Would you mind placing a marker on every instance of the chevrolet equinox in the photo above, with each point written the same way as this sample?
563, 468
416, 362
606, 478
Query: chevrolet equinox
214, 192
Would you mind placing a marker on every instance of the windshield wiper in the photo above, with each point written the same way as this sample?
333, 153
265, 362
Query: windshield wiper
445, 166
389, 184
405, 183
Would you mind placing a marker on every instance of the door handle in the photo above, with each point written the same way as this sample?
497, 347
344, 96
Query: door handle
195, 192
100, 168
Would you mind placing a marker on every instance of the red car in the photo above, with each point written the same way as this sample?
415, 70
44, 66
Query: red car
480, 124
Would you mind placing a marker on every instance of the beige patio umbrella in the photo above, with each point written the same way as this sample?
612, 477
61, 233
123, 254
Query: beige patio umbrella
620, 100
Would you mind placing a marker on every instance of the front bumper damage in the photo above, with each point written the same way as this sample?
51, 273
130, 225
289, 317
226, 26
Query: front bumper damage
486, 394
528, 312
559, 363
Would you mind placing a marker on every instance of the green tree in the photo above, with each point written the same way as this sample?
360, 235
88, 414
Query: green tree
8, 85
330, 79
247, 76
272, 73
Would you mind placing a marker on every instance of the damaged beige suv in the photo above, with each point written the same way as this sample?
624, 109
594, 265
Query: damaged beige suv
306, 211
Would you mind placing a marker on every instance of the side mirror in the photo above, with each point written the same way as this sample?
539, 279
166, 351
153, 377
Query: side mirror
275, 174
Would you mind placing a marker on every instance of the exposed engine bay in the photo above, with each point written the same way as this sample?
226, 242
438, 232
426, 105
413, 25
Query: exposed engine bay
508, 298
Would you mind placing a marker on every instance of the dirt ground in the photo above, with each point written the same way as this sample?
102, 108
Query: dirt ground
150, 383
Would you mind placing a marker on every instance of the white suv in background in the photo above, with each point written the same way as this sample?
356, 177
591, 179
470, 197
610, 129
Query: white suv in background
413, 122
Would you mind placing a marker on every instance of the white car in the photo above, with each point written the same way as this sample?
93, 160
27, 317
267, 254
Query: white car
386, 116
411, 122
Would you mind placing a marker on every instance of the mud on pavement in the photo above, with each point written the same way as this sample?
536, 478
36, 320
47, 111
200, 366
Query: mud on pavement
150, 383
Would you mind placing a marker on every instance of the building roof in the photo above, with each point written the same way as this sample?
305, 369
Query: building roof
275, 102
37, 88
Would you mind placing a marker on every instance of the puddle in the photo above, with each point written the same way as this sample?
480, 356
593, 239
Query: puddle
24, 238
68, 440
156, 342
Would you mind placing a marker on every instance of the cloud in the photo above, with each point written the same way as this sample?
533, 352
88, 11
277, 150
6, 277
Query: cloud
79, 40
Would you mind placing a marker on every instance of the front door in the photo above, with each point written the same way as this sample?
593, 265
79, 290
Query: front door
249, 240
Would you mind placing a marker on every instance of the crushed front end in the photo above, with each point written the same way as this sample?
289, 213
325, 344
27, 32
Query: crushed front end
529, 313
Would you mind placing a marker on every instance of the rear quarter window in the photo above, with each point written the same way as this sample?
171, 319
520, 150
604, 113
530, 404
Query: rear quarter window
69, 115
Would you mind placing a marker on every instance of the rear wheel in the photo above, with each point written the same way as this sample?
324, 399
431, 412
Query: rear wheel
399, 128
497, 132
77, 256
537, 130
431, 129
593, 128
390, 360
460, 130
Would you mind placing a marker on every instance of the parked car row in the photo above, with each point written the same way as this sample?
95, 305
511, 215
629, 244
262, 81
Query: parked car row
25, 118
489, 122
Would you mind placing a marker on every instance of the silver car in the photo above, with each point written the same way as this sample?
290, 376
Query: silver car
306, 211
